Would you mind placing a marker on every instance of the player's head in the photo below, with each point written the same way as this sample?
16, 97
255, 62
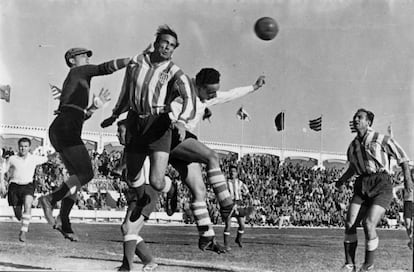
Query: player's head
121, 131
24, 146
363, 119
166, 42
77, 56
208, 83
233, 171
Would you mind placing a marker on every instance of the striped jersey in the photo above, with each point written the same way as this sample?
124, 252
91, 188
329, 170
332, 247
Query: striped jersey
222, 97
237, 189
372, 154
149, 89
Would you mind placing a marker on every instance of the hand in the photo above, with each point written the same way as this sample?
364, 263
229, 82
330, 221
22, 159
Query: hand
108, 121
259, 82
181, 130
102, 99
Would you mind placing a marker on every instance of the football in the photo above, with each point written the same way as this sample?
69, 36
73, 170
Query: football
266, 28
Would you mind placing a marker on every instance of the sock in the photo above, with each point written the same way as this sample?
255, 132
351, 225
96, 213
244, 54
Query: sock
217, 180
129, 251
226, 236
202, 219
143, 251
370, 248
25, 222
350, 245
239, 235
67, 204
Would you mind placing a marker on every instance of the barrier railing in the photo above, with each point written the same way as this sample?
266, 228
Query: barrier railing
6, 212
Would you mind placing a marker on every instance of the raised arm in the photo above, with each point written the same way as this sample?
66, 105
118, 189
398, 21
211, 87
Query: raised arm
224, 97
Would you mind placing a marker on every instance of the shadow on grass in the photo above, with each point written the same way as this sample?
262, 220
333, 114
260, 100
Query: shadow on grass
174, 242
23, 266
164, 263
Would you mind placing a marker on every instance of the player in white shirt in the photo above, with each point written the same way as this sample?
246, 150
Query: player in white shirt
20, 170
187, 155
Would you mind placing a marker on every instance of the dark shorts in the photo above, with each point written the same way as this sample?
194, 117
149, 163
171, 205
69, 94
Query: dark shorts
408, 209
65, 131
175, 141
373, 189
132, 198
17, 193
147, 134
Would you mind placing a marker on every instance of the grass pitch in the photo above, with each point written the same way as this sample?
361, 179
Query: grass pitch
175, 249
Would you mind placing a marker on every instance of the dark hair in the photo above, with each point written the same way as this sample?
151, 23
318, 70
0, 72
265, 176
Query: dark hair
166, 30
207, 76
370, 114
233, 167
24, 139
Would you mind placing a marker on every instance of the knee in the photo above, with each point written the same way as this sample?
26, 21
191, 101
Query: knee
350, 227
213, 158
86, 177
369, 225
157, 183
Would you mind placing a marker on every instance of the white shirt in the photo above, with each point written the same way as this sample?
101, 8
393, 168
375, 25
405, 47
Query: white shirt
222, 97
21, 170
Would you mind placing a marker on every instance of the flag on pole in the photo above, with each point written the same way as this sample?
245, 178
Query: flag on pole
316, 124
389, 130
351, 127
5, 92
56, 92
242, 114
280, 121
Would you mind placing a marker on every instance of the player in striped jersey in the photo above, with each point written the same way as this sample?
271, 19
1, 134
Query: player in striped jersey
146, 95
238, 190
65, 130
187, 155
369, 158
407, 209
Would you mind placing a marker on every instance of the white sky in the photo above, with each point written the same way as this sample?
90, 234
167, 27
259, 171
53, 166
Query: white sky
329, 58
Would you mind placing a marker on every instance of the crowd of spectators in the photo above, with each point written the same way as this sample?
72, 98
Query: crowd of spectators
304, 194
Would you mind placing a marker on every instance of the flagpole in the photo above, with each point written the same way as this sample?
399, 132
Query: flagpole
282, 157
242, 135
321, 143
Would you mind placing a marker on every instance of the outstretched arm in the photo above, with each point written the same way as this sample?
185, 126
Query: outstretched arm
224, 97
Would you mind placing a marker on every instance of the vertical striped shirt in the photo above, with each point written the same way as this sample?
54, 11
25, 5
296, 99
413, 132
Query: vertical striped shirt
372, 154
148, 88
237, 189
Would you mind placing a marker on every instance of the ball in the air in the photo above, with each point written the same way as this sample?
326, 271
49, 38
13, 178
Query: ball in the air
266, 28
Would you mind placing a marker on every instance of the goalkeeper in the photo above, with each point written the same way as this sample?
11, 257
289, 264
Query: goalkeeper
65, 130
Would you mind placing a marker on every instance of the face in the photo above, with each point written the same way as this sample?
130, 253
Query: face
361, 122
80, 60
121, 134
24, 148
165, 46
208, 92
233, 173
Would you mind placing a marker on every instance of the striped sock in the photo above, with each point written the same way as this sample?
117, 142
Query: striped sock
216, 179
202, 219
25, 222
